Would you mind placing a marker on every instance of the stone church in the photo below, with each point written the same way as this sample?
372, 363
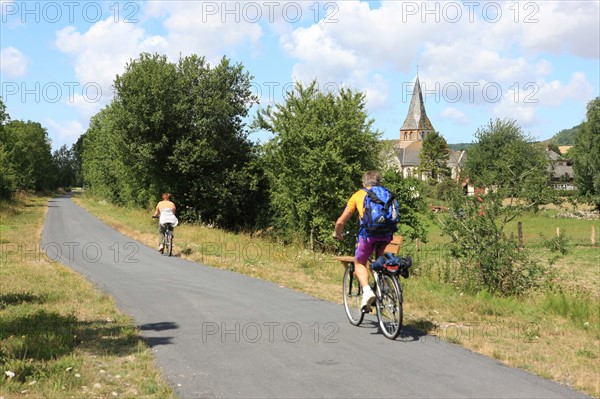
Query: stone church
403, 154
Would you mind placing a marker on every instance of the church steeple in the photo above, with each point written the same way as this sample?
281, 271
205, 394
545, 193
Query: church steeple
417, 124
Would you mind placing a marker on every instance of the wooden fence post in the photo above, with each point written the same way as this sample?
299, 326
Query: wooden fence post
593, 236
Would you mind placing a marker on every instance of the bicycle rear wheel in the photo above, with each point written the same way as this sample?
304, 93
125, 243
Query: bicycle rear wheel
352, 297
169, 242
389, 306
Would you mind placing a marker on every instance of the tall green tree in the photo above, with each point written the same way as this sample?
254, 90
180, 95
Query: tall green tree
4, 117
104, 172
433, 158
148, 118
64, 165
322, 144
586, 155
411, 202
77, 151
178, 128
513, 172
8, 174
28, 148
506, 160
213, 158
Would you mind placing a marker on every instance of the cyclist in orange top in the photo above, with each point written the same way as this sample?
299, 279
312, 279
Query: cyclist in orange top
366, 245
166, 209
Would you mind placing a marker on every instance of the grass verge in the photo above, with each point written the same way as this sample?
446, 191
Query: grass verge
555, 334
59, 336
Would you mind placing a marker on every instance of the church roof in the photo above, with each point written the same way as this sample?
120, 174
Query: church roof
456, 158
409, 156
417, 117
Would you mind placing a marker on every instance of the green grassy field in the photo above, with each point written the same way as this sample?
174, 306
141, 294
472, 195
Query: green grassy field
554, 334
577, 272
59, 336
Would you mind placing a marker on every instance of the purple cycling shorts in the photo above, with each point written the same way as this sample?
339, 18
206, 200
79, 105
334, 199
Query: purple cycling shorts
366, 245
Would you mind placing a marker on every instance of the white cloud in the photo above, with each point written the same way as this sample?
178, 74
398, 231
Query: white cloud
66, 131
366, 49
103, 51
454, 114
239, 21
13, 62
374, 38
562, 27
324, 60
377, 92
100, 54
208, 28
88, 104
553, 93
522, 104
357, 49
476, 50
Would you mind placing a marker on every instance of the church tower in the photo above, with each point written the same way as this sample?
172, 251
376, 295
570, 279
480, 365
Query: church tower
417, 124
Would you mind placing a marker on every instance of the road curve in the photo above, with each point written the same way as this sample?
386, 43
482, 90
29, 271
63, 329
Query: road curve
220, 334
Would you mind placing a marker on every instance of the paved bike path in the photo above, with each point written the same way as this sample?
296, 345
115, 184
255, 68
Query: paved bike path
220, 334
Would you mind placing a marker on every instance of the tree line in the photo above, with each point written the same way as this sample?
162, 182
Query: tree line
183, 127
27, 161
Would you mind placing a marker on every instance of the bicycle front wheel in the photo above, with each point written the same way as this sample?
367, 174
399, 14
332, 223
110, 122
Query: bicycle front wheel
352, 297
389, 306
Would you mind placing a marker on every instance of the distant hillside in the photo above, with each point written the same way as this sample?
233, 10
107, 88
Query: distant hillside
460, 146
564, 137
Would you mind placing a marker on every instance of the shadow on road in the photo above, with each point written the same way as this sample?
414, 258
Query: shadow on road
413, 331
166, 325
152, 341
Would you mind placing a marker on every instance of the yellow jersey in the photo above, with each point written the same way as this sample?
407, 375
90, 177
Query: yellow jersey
357, 202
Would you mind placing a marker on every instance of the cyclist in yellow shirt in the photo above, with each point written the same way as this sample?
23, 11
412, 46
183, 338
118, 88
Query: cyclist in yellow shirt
366, 245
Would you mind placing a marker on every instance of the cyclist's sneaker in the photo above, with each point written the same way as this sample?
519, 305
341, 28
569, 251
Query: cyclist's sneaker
161, 248
367, 300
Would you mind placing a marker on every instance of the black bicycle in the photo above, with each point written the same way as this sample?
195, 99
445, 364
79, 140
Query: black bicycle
387, 289
168, 240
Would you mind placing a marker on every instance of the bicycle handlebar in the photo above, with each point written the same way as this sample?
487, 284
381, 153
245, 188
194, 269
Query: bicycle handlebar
344, 235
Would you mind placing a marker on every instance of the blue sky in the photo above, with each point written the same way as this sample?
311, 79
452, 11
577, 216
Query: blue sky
536, 62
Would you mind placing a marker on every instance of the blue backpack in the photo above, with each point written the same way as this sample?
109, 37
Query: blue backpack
381, 213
